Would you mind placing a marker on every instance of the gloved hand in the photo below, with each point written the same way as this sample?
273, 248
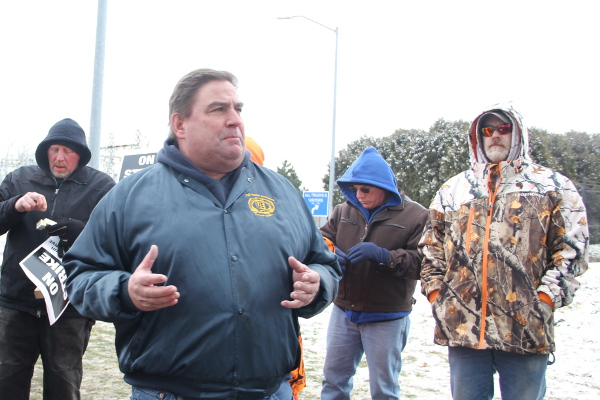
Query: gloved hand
342, 258
368, 251
67, 230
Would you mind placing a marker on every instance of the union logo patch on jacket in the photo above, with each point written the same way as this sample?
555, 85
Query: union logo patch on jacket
260, 205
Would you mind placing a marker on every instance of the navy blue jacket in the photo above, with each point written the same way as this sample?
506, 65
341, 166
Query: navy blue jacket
228, 334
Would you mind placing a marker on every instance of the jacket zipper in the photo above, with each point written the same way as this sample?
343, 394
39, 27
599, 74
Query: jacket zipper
54, 201
484, 284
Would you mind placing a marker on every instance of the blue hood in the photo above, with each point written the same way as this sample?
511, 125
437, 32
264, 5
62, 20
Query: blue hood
370, 169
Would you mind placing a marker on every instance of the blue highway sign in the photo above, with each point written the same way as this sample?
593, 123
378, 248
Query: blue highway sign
317, 203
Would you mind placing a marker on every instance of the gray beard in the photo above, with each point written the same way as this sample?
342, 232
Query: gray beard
61, 175
497, 154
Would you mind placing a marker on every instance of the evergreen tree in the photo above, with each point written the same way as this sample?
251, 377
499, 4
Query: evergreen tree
289, 172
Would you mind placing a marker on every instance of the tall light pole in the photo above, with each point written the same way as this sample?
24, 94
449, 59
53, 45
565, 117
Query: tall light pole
98, 85
332, 162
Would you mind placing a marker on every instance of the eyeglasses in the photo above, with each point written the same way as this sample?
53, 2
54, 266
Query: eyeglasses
502, 129
363, 189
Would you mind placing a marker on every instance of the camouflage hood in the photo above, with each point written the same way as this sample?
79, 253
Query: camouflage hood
520, 136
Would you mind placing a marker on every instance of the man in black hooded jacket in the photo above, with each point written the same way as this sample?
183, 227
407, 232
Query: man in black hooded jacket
62, 188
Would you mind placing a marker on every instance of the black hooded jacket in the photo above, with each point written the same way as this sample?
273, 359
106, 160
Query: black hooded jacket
74, 197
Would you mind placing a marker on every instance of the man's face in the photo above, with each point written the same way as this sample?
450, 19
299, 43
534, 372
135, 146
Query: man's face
371, 200
63, 161
212, 137
497, 146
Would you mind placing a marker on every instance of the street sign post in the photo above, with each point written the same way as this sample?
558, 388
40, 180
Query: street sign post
135, 161
317, 203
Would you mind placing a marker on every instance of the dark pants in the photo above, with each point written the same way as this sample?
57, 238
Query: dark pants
23, 338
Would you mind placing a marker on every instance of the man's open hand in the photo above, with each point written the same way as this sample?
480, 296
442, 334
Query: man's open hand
142, 290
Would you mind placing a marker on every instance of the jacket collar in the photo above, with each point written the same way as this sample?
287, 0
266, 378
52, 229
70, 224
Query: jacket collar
80, 175
508, 169
383, 212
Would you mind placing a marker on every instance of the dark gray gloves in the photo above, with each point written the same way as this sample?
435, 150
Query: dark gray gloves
67, 230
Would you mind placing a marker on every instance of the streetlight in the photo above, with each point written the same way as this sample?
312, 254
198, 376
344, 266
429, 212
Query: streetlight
332, 163
98, 85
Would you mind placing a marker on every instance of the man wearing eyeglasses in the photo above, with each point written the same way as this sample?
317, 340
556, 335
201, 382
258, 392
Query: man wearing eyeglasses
503, 246
375, 232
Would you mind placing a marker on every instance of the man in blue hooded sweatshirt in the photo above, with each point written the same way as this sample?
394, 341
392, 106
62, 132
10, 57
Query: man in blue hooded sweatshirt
376, 232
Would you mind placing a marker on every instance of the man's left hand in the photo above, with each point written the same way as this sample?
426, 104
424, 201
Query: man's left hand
67, 230
368, 251
306, 285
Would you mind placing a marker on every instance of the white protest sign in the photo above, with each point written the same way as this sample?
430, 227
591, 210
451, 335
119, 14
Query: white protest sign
44, 268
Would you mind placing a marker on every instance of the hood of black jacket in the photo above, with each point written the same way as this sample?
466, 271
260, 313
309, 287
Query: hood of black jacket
67, 133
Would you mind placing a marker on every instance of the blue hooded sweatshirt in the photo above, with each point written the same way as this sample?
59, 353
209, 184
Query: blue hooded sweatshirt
370, 169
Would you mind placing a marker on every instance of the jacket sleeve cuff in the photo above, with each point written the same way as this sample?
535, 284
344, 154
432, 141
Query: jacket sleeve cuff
325, 296
433, 295
12, 207
546, 299
126, 302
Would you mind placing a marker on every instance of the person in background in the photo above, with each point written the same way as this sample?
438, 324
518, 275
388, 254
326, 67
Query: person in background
256, 152
203, 261
504, 243
63, 188
375, 233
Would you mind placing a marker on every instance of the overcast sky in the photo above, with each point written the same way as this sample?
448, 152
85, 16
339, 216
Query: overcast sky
401, 65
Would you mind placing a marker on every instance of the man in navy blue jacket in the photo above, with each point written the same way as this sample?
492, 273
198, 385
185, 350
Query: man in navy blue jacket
204, 261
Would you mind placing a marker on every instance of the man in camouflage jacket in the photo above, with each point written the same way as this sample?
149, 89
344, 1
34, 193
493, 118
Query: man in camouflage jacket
504, 243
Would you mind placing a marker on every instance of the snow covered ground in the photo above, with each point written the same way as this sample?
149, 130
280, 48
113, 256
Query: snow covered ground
425, 372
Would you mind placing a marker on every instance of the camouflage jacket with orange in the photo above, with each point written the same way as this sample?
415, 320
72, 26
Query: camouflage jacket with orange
500, 248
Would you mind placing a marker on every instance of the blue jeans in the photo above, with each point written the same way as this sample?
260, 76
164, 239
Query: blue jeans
24, 337
521, 377
381, 342
283, 393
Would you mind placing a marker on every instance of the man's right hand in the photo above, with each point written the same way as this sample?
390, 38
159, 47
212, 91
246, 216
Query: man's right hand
142, 290
31, 201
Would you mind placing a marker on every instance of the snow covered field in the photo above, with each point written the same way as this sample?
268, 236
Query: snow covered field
425, 374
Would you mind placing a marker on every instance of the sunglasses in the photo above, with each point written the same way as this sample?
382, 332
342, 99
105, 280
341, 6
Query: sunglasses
363, 189
502, 129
